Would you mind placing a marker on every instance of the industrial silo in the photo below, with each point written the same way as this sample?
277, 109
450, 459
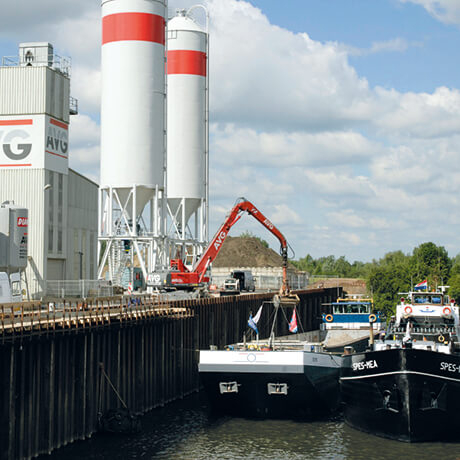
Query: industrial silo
133, 97
187, 123
132, 128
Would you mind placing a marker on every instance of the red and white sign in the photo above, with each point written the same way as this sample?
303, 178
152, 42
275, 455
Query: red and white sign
22, 221
34, 141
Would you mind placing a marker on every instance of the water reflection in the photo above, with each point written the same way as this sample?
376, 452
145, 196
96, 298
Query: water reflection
186, 430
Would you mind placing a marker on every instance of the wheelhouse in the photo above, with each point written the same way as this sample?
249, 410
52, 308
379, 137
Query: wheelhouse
351, 314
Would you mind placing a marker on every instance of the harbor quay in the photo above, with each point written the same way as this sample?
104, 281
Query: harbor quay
65, 364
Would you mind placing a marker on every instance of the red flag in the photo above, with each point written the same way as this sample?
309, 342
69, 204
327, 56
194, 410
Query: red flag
293, 322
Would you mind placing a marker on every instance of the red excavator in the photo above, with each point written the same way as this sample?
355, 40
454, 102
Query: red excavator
180, 277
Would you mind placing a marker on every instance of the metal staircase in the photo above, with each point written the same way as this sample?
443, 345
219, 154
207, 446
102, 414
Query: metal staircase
119, 261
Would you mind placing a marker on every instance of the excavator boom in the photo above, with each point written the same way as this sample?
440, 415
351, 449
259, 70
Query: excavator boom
197, 275
216, 243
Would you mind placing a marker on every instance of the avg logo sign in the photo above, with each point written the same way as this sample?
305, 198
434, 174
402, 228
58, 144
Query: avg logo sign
15, 145
16, 140
38, 141
57, 138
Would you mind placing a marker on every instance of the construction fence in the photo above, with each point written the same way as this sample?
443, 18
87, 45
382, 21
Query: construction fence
78, 288
266, 278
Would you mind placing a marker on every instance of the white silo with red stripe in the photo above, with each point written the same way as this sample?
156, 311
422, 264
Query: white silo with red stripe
187, 123
132, 122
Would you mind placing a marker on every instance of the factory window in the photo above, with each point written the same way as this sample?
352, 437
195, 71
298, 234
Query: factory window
92, 256
51, 198
76, 256
60, 198
60, 212
29, 57
59, 240
82, 254
50, 238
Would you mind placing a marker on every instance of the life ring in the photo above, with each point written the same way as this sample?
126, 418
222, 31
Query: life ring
446, 311
408, 310
329, 318
441, 338
372, 318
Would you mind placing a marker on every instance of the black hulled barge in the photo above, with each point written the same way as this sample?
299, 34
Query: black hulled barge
407, 387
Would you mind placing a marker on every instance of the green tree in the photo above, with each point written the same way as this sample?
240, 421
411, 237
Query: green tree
454, 283
385, 282
395, 258
306, 264
455, 270
248, 234
430, 262
342, 267
327, 265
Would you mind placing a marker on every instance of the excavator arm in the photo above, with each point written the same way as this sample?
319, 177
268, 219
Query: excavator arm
216, 243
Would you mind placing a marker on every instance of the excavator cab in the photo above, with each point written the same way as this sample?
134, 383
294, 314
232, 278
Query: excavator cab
178, 265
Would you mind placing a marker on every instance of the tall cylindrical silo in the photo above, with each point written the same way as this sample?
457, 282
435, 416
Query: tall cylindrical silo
133, 98
186, 115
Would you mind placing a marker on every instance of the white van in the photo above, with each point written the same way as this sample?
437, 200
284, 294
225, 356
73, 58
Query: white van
247, 281
10, 287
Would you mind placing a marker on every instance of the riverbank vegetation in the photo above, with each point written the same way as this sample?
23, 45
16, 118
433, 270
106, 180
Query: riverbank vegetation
395, 272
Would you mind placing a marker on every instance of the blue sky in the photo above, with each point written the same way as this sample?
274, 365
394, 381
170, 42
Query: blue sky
339, 119
428, 62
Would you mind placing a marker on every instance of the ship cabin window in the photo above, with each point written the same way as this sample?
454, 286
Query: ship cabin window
421, 299
351, 308
436, 299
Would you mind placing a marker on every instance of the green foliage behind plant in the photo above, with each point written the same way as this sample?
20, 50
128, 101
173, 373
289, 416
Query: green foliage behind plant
248, 234
394, 273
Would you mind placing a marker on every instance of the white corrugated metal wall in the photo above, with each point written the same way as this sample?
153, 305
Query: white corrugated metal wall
36, 90
62, 223
82, 226
62, 217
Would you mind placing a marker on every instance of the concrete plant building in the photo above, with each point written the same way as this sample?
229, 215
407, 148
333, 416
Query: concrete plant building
35, 109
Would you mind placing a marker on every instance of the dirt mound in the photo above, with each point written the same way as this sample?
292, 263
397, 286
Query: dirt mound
240, 251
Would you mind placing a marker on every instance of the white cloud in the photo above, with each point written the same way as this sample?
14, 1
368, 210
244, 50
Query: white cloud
284, 215
332, 184
420, 115
351, 238
86, 87
84, 146
393, 45
339, 166
346, 218
447, 11
299, 148
270, 77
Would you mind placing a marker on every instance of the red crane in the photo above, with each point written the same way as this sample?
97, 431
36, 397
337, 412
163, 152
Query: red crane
181, 276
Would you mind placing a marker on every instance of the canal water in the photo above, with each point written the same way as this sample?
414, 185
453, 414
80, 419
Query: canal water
186, 430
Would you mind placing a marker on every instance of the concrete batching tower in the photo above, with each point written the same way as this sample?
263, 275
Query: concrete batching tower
132, 136
187, 129
35, 109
